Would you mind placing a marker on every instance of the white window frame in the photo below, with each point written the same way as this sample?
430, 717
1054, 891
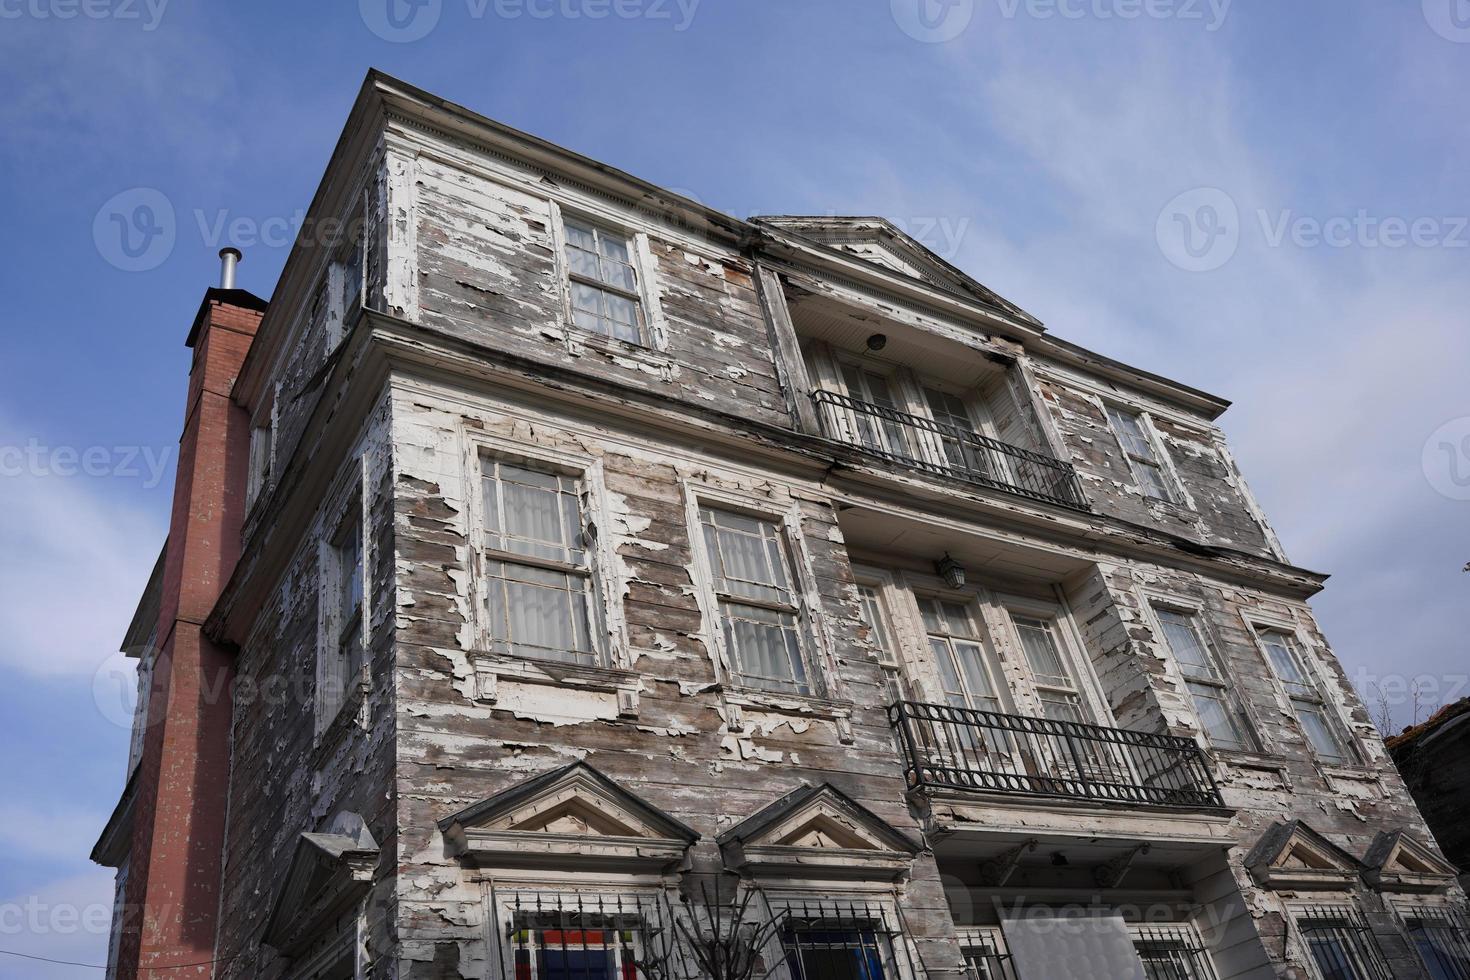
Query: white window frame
876, 586
1090, 701
652, 330
1223, 682
334, 683
1157, 459
809, 626
921, 589
604, 619
1315, 697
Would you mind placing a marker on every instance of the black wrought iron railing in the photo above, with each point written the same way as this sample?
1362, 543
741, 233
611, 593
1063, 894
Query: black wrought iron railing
962, 749
936, 447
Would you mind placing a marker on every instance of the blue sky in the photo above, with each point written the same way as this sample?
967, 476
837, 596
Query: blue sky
1059, 150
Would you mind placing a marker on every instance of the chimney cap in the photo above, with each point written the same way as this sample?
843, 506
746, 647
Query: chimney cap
229, 258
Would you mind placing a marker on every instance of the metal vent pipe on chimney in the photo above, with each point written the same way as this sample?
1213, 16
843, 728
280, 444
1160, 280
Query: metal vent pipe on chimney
229, 258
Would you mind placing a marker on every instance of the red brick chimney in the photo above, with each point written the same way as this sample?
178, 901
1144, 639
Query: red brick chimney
172, 889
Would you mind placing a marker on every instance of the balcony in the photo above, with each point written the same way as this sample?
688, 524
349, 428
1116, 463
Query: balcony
968, 751
935, 447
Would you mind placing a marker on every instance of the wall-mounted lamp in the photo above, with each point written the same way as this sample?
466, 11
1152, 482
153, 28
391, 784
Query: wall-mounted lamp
951, 571
877, 342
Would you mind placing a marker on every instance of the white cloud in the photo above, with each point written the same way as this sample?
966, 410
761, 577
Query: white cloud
78, 557
65, 919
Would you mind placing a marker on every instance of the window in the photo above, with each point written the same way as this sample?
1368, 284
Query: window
1142, 459
538, 585
1341, 945
1219, 712
1441, 937
875, 618
881, 430
985, 953
343, 665
837, 940
1307, 702
959, 654
760, 614
955, 450
1055, 687
260, 462
573, 937
1171, 952
604, 282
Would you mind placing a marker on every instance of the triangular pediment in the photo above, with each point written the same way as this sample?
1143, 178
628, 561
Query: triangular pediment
820, 830
1398, 862
574, 812
880, 242
1294, 856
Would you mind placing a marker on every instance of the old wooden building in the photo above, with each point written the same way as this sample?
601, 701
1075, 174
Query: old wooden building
570, 581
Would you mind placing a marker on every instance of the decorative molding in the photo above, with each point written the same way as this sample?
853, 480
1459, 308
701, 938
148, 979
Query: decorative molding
330, 873
1294, 857
818, 832
1397, 862
574, 818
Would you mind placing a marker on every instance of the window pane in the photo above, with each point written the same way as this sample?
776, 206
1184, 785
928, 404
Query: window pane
1183, 640
871, 607
614, 247
621, 309
764, 647
1151, 480
581, 236
1281, 648
618, 275
1042, 653
1216, 717
1131, 434
531, 610
587, 298
747, 556
1320, 732
584, 263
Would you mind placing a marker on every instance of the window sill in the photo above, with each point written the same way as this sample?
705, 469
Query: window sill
644, 358
491, 668
737, 700
352, 713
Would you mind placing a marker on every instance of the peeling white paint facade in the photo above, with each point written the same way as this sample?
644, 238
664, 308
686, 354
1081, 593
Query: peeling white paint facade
464, 347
